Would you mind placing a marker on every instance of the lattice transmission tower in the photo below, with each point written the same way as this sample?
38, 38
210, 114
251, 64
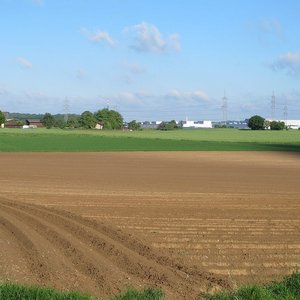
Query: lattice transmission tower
273, 107
66, 109
285, 112
224, 108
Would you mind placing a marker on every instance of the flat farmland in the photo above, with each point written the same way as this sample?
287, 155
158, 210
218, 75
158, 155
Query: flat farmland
182, 221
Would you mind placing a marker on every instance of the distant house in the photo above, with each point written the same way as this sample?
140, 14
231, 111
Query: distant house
99, 126
12, 124
34, 123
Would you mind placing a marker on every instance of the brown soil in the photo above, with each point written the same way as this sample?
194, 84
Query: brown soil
184, 222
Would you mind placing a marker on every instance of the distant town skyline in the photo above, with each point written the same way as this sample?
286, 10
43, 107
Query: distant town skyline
151, 60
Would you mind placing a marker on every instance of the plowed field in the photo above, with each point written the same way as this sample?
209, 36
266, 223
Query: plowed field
183, 221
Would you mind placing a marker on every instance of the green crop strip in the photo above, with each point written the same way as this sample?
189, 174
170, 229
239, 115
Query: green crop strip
53, 140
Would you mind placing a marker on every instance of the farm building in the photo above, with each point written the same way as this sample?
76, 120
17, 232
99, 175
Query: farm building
12, 124
99, 126
34, 123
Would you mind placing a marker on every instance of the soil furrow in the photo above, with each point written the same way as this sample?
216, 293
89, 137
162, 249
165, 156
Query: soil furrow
46, 222
31, 254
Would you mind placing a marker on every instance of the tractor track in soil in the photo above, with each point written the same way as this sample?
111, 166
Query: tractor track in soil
100, 254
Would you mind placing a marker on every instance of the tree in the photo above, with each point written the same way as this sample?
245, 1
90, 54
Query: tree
134, 125
60, 124
274, 125
110, 119
87, 120
48, 120
256, 123
73, 122
168, 125
2, 118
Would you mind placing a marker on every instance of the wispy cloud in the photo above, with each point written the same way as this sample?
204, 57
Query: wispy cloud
133, 67
147, 38
24, 63
289, 62
271, 26
129, 98
38, 2
98, 36
268, 30
80, 74
198, 96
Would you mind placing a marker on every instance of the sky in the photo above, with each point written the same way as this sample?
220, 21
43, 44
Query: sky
151, 59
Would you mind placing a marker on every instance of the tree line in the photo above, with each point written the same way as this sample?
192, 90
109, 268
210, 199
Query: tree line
109, 119
259, 123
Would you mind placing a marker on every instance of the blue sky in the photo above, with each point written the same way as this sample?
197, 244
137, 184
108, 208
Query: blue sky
151, 60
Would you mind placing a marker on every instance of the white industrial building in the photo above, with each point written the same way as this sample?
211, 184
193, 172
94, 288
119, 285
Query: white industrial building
292, 124
196, 124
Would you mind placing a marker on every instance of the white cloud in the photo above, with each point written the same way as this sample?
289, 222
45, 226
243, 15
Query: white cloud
129, 98
198, 96
24, 63
36, 96
148, 38
98, 36
289, 62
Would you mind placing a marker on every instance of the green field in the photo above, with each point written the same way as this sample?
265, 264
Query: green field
43, 140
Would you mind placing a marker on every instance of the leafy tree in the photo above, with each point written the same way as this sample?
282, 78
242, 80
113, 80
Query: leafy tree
60, 124
110, 119
73, 122
168, 125
20, 122
48, 120
87, 120
134, 125
274, 125
256, 123
2, 118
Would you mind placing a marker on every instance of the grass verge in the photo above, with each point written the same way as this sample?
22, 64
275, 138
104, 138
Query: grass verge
12, 291
287, 289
